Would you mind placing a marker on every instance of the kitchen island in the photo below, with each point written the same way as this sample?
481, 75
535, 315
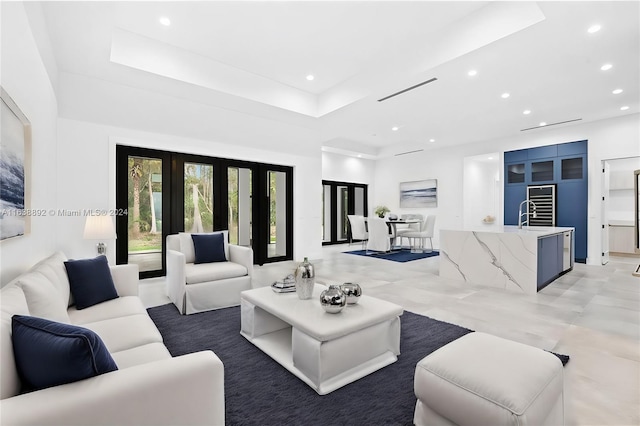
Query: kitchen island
525, 259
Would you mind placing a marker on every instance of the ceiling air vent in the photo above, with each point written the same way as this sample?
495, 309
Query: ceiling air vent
409, 152
407, 89
551, 124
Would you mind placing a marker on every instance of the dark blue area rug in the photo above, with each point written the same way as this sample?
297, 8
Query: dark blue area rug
403, 255
258, 391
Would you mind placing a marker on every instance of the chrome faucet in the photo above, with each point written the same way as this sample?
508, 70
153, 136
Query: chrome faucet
520, 213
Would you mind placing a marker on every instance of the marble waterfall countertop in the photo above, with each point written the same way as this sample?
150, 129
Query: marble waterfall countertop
498, 256
539, 231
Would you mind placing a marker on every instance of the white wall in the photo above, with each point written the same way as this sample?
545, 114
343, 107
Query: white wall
482, 190
86, 178
343, 168
621, 189
24, 77
612, 138
445, 165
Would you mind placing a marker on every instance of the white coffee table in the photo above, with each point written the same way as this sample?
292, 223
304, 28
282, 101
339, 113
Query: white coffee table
326, 351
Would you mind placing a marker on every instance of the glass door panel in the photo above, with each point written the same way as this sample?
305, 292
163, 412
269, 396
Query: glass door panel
144, 228
326, 213
342, 208
198, 197
277, 243
358, 202
239, 199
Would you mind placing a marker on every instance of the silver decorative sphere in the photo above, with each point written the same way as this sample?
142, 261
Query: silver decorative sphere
333, 299
353, 291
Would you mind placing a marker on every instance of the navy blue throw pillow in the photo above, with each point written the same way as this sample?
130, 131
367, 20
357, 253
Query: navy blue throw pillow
209, 248
50, 353
90, 281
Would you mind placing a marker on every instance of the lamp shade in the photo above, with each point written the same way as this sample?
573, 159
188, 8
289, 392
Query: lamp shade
99, 228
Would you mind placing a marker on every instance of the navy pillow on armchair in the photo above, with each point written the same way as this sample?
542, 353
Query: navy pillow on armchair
90, 281
50, 353
208, 248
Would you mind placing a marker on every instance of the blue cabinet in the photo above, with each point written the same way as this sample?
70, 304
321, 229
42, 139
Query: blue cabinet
515, 156
572, 148
548, 151
564, 165
513, 196
550, 251
572, 211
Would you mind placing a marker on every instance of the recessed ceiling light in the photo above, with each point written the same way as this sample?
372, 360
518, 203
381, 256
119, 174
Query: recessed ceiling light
543, 123
490, 158
310, 77
617, 91
505, 95
526, 112
165, 21
395, 128
359, 155
594, 29
606, 67
624, 108
471, 73
432, 140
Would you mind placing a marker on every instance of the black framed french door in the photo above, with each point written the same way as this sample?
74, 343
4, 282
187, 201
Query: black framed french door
341, 199
167, 192
275, 233
144, 191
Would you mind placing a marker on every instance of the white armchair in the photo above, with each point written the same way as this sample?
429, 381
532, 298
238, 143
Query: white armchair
206, 286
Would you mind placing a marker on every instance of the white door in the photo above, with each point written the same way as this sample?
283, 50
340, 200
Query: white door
605, 212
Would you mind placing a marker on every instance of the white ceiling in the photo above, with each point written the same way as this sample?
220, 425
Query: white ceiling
237, 70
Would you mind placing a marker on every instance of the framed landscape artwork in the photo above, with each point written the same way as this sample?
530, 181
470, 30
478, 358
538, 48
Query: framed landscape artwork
422, 193
15, 161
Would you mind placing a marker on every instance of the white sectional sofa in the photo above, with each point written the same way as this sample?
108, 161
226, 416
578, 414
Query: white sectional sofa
149, 387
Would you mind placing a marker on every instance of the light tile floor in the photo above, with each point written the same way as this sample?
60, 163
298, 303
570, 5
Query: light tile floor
592, 314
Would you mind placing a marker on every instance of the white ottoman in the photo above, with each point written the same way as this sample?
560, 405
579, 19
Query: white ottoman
480, 379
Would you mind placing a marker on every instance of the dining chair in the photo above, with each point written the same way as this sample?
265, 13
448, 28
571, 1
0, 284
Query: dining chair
426, 232
411, 227
379, 237
358, 227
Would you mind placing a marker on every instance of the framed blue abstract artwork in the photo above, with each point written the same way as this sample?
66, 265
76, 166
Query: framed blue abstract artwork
15, 162
422, 193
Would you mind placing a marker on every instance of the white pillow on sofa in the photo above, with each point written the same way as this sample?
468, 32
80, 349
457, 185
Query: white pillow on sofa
186, 244
43, 298
53, 268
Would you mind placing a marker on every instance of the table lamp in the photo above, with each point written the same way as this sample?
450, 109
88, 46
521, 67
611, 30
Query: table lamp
99, 228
